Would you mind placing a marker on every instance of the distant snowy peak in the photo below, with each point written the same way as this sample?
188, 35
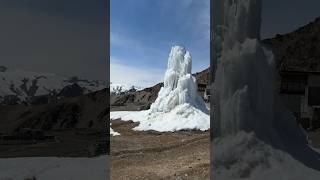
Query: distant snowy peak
21, 85
118, 89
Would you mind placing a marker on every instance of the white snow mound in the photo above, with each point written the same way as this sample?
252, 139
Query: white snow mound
183, 117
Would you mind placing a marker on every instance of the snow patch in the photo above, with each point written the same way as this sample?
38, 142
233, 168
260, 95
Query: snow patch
245, 157
112, 132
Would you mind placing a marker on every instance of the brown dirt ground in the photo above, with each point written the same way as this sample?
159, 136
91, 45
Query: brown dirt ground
152, 155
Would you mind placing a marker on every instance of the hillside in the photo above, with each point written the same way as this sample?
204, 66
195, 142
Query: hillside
86, 111
298, 50
78, 126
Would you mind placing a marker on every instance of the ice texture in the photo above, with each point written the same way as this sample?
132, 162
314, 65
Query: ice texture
178, 105
180, 86
255, 136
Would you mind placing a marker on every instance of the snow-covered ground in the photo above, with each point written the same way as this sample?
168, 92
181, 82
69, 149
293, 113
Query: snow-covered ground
183, 117
178, 105
54, 168
245, 157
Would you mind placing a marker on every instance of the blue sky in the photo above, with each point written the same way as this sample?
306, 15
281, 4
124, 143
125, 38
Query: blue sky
143, 31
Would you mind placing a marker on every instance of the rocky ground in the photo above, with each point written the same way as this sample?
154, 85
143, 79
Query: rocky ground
69, 143
153, 155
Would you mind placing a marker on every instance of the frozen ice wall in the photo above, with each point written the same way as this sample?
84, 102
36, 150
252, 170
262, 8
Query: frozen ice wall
244, 84
180, 86
254, 134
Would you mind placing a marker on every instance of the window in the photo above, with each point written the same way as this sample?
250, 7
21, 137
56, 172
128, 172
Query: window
293, 85
313, 96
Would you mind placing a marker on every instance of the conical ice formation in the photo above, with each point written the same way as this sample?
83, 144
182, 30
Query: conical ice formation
180, 86
178, 105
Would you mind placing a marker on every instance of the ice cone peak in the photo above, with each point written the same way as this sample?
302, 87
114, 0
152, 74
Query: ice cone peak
179, 61
179, 85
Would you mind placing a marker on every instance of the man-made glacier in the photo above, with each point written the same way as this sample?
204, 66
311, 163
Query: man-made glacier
178, 105
255, 137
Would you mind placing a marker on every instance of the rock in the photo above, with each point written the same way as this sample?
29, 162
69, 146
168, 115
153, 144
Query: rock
3, 69
298, 50
71, 91
10, 100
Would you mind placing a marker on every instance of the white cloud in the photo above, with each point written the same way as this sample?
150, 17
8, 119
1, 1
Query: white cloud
130, 43
117, 39
138, 76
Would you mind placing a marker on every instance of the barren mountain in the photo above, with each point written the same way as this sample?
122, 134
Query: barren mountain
68, 127
85, 111
298, 50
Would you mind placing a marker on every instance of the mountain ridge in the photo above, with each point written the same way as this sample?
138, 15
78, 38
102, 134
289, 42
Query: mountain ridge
298, 50
18, 86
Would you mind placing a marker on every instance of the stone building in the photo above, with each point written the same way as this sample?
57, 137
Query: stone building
300, 92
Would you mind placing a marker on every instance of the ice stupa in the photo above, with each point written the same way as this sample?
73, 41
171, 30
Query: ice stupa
255, 136
180, 86
178, 105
